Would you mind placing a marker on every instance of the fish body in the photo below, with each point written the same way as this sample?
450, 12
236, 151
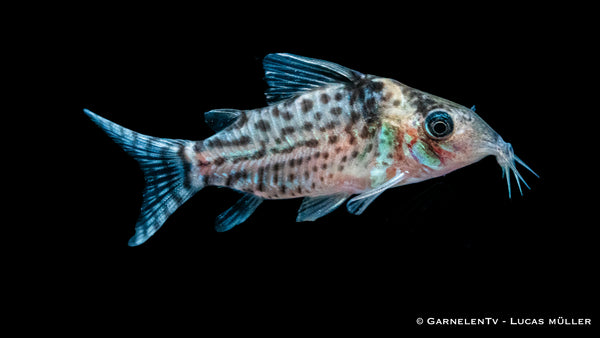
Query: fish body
328, 133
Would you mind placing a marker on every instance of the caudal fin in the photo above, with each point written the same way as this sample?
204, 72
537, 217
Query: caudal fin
166, 167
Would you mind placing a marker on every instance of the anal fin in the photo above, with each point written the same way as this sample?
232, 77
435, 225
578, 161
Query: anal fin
313, 208
238, 213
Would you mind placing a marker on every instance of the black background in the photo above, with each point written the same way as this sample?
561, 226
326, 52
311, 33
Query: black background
454, 246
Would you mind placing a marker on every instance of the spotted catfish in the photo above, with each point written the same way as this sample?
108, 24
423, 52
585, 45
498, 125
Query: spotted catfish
328, 133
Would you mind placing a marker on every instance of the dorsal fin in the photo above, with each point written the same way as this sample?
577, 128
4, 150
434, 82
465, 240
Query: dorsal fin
288, 75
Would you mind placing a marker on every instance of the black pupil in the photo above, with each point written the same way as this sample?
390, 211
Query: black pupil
439, 127
439, 124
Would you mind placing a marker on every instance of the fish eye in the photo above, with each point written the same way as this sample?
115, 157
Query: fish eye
438, 124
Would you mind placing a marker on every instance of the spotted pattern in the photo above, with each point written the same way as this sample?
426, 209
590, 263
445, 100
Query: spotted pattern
303, 146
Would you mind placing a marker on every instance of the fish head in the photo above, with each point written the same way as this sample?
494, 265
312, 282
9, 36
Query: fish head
439, 136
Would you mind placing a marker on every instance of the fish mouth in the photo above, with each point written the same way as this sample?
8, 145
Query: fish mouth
507, 159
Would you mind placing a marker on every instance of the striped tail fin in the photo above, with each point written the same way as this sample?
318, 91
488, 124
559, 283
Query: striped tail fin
167, 169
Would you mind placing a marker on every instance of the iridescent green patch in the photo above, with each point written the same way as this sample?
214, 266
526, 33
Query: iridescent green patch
425, 155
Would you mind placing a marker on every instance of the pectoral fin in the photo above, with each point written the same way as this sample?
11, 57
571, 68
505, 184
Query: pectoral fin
359, 203
357, 207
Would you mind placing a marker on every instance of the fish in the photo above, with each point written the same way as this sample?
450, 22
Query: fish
329, 135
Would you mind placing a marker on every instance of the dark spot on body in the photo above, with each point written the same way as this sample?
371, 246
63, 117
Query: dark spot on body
317, 154
324, 166
315, 168
287, 115
328, 126
364, 133
291, 177
369, 147
338, 96
311, 143
335, 111
348, 128
325, 156
306, 175
354, 117
333, 139
318, 116
376, 86
344, 158
219, 161
354, 154
260, 153
396, 103
244, 140
262, 125
278, 140
324, 98
215, 142
308, 126
292, 162
306, 105
275, 112
287, 130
